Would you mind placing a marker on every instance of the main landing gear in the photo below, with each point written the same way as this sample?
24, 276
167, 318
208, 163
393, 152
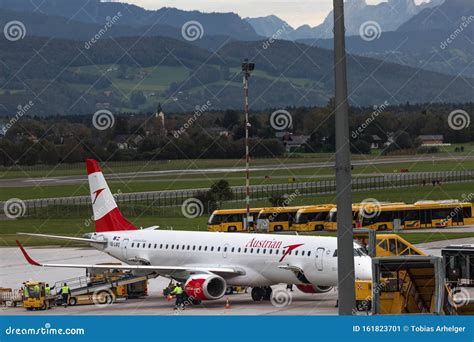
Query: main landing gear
261, 293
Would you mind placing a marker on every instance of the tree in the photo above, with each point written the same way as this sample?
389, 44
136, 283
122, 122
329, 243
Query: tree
360, 147
221, 191
231, 119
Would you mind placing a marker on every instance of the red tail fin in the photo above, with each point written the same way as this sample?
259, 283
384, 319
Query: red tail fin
107, 216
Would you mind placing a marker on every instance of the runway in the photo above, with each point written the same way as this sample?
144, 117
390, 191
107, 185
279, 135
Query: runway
77, 179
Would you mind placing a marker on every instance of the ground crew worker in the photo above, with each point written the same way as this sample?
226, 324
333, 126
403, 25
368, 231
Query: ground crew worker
178, 292
36, 290
48, 289
65, 293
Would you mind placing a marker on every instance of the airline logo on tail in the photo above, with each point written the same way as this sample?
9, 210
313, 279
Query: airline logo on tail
107, 216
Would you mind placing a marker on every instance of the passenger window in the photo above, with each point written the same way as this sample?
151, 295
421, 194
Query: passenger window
218, 249
245, 250
188, 247
161, 246
238, 250
143, 245
199, 248
212, 248
232, 250
264, 250
302, 253
132, 244
194, 248
149, 245
205, 248
251, 250
155, 245
270, 251
258, 250
172, 246
166, 246
225, 249
183, 247
296, 252
277, 251
309, 253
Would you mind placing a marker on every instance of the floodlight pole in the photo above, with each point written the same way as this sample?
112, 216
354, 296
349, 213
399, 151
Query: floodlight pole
345, 253
247, 68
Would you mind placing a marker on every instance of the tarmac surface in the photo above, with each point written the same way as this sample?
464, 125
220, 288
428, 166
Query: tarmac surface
14, 270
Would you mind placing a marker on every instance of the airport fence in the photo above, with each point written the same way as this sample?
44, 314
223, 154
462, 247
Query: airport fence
153, 202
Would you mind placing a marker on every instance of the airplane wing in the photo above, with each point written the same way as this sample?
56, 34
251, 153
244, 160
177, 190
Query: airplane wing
166, 270
69, 238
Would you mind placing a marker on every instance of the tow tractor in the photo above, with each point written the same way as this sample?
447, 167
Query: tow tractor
35, 297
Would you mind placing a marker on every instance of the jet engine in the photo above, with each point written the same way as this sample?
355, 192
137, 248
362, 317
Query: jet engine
205, 286
309, 288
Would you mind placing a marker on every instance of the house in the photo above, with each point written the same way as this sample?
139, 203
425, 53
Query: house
431, 139
376, 142
293, 142
127, 142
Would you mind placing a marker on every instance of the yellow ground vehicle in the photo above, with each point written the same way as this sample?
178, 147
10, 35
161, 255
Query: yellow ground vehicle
231, 220
379, 245
422, 214
276, 219
100, 286
35, 297
311, 218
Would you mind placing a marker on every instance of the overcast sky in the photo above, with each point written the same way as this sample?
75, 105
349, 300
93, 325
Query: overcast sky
295, 12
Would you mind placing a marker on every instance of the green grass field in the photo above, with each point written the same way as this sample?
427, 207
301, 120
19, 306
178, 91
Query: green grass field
172, 218
282, 175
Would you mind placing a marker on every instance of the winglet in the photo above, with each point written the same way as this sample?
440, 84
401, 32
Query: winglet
27, 257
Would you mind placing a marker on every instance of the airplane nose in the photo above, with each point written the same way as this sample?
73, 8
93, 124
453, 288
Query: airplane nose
363, 268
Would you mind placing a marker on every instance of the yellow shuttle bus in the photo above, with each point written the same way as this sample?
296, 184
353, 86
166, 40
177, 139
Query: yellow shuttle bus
311, 218
422, 214
231, 220
276, 219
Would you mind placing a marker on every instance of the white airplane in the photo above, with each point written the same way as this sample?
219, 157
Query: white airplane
208, 262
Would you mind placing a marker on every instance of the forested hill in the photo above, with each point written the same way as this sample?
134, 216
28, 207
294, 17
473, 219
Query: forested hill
133, 74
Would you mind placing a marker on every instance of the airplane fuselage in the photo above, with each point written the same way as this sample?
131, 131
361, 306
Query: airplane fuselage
264, 259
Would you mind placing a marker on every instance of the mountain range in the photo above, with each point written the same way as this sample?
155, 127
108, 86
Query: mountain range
68, 63
388, 15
